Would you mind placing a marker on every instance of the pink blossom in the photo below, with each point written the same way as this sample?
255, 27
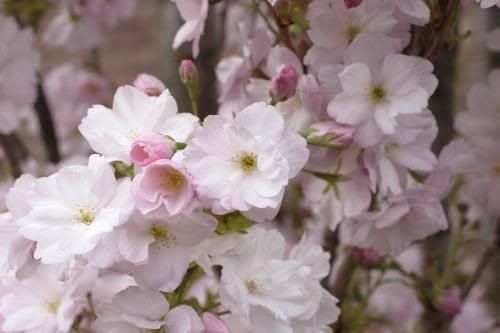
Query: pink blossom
163, 186
188, 72
449, 303
149, 148
332, 133
284, 83
214, 324
366, 257
149, 84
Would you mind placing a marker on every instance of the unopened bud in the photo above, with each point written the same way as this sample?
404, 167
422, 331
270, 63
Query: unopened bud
366, 257
284, 84
449, 303
149, 84
188, 72
149, 148
352, 3
331, 134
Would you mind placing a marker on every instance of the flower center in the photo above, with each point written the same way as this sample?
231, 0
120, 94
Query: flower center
496, 170
86, 216
246, 161
162, 236
172, 179
377, 94
251, 286
53, 305
352, 32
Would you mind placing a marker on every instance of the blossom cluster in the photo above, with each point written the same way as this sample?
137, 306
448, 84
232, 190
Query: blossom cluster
159, 220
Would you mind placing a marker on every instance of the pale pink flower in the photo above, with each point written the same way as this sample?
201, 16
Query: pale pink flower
245, 163
482, 119
163, 187
149, 148
194, 13
414, 11
112, 132
45, 302
162, 249
214, 324
398, 303
377, 95
298, 95
408, 149
19, 62
80, 25
234, 72
339, 189
334, 27
135, 310
73, 209
19, 256
149, 84
70, 91
399, 221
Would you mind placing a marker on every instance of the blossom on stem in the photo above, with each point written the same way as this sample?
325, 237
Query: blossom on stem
73, 209
112, 132
245, 163
149, 84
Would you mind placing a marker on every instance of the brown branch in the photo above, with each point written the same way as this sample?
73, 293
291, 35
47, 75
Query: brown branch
13, 152
47, 125
283, 29
487, 257
449, 16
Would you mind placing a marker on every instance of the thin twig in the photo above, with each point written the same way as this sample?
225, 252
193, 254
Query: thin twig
449, 18
488, 255
343, 276
284, 33
13, 153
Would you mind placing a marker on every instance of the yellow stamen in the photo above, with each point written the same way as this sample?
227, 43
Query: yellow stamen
246, 161
377, 94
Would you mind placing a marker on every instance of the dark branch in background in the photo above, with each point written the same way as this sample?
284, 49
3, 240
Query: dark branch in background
14, 152
47, 127
487, 257
342, 279
449, 20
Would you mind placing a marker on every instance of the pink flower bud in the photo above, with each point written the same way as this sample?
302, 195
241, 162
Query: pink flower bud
149, 84
188, 72
284, 84
331, 133
352, 3
366, 257
449, 303
214, 324
151, 147
163, 187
